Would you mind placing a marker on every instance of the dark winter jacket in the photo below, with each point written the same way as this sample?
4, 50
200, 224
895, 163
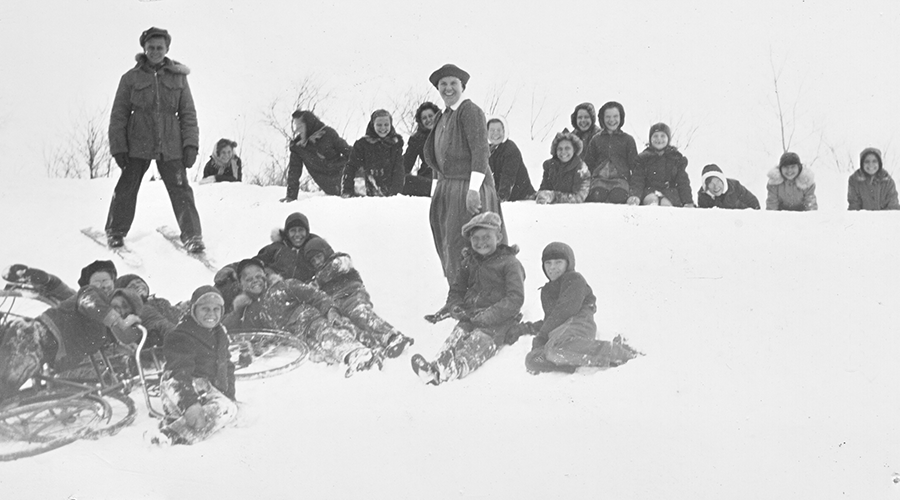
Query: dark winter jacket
872, 192
665, 173
612, 157
567, 297
736, 196
192, 351
568, 182
585, 135
490, 289
82, 323
379, 160
510, 174
282, 257
415, 149
229, 173
337, 273
287, 305
153, 112
467, 150
798, 195
325, 154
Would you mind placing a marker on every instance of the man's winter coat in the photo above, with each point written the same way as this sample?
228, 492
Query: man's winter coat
665, 173
510, 174
194, 351
153, 112
491, 290
324, 153
612, 157
380, 160
568, 182
81, 324
798, 195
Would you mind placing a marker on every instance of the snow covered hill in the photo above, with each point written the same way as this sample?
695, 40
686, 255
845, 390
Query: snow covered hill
770, 370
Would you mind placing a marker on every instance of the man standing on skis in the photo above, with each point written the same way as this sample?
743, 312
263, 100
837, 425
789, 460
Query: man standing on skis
153, 118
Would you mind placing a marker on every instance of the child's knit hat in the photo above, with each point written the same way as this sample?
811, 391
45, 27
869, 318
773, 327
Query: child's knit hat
95, 267
661, 127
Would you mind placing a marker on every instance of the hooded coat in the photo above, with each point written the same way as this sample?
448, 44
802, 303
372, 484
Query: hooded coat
282, 257
798, 195
568, 297
324, 153
871, 192
230, 172
379, 160
585, 135
568, 182
665, 173
192, 351
611, 156
510, 174
735, 196
153, 112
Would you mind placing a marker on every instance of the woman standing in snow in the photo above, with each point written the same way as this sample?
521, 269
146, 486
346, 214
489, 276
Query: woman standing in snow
457, 149
871, 187
510, 174
379, 156
419, 183
791, 186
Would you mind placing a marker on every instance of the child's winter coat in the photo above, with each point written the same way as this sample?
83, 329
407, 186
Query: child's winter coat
872, 192
282, 257
611, 157
734, 196
665, 173
568, 182
380, 160
192, 351
324, 153
798, 195
510, 175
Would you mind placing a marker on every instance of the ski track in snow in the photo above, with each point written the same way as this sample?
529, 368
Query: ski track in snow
770, 367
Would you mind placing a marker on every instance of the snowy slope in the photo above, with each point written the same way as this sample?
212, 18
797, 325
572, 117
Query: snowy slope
770, 368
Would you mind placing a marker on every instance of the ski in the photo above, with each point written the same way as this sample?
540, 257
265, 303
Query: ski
174, 238
126, 254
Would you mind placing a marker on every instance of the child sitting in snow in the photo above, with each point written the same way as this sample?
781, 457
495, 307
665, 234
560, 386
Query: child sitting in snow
612, 157
337, 277
660, 177
871, 187
485, 298
565, 338
198, 384
566, 177
224, 165
791, 186
378, 155
716, 191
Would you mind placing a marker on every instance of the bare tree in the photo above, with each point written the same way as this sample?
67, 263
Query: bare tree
84, 152
405, 108
540, 124
682, 131
787, 120
494, 104
307, 94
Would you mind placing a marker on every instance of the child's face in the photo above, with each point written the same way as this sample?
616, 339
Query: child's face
427, 118
297, 234
565, 151
790, 171
484, 241
611, 119
121, 306
495, 132
103, 281
225, 154
253, 281
382, 125
715, 186
317, 260
870, 164
555, 268
659, 140
299, 127
583, 120
138, 286
208, 315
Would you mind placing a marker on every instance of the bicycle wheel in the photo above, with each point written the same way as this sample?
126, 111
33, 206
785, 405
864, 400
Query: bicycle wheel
39, 423
270, 353
122, 412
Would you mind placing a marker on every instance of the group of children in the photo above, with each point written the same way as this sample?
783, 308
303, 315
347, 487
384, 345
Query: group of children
591, 163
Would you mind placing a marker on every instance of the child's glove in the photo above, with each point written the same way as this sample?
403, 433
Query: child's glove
689, 205
459, 314
225, 275
131, 320
524, 328
241, 301
633, 200
207, 180
544, 197
195, 417
473, 201
441, 315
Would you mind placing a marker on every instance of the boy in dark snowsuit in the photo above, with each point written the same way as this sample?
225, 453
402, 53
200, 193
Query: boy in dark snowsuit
63, 335
198, 384
303, 310
157, 314
717, 191
565, 338
338, 278
485, 298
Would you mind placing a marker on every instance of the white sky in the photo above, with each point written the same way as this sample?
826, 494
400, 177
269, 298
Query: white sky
703, 62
